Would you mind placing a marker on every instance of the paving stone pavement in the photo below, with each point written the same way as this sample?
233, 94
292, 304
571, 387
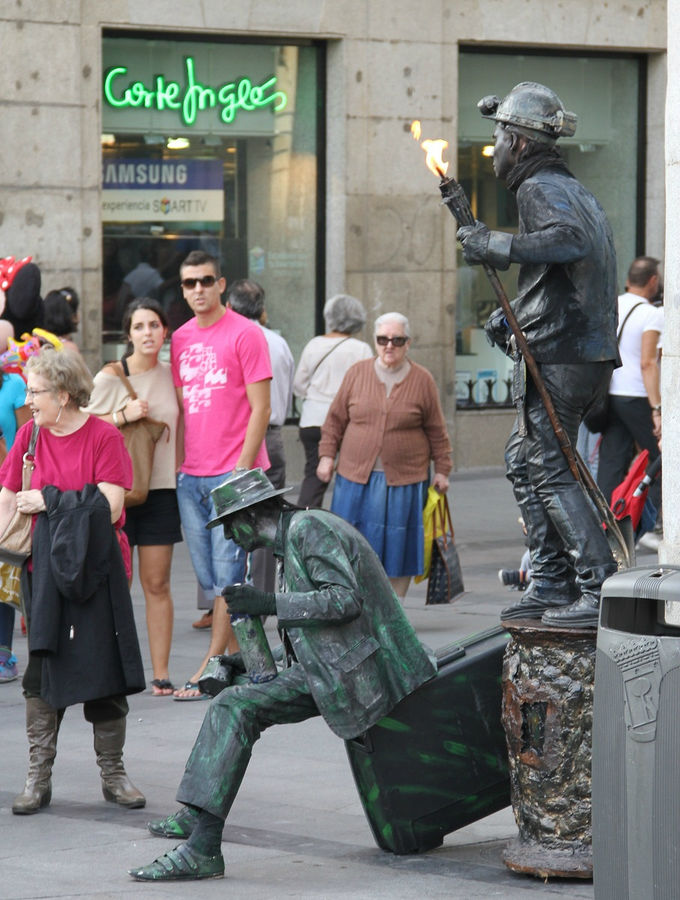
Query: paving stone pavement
297, 828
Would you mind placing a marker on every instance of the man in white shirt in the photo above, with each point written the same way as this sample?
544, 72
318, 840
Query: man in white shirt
246, 297
634, 416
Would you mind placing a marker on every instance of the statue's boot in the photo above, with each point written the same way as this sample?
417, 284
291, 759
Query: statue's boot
580, 528
109, 739
552, 573
42, 728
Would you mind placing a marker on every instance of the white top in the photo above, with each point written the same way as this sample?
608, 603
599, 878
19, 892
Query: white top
156, 387
283, 370
317, 379
627, 379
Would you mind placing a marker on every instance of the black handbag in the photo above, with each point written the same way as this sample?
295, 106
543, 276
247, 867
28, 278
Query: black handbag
445, 582
596, 417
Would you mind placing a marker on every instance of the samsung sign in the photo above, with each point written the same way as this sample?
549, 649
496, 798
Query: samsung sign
177, 87
148, 190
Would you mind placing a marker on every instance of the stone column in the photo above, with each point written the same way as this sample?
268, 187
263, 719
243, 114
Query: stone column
548, 676
669, 551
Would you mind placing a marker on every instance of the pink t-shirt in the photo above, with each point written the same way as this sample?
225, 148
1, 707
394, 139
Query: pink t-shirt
213, 366
94, 453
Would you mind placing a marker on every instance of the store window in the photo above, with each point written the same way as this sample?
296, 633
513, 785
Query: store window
604, 91
211, 146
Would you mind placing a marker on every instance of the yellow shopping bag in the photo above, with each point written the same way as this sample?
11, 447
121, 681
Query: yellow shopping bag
10, 587
431, 527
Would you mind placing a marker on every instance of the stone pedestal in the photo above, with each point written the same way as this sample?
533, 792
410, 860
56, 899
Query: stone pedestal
548, 677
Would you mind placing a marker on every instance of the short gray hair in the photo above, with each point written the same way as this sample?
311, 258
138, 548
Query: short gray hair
344, 313
63, 370
393, 317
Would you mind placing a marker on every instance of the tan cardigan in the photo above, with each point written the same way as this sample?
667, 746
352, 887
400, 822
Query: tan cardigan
406, 430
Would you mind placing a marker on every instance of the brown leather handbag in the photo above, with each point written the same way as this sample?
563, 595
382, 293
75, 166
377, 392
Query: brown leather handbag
15, 543
140, 439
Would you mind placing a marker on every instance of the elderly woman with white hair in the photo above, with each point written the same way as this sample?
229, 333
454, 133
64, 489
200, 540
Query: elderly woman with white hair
386, 424
323, 364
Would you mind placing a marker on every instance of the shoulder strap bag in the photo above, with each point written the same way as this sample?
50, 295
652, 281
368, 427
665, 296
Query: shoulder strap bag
141, 437
313, 372
15, 543
595, 419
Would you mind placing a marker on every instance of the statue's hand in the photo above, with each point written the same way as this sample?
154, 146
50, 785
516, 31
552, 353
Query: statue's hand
244, 598
496, 329
475, 240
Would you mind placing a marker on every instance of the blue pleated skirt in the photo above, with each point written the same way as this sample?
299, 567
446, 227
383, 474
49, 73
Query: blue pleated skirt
390, 518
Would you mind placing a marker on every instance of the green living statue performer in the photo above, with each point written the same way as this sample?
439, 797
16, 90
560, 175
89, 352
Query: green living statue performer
351, 656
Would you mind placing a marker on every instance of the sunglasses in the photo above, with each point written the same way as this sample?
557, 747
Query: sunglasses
206, 281
382, 340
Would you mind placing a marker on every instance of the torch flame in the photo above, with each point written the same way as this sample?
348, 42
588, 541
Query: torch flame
433, 159
434, 151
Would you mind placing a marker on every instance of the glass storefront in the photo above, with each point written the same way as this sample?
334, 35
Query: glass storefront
604, 91
211, 146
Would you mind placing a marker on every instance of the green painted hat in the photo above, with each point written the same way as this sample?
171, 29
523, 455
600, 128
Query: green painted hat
240, 490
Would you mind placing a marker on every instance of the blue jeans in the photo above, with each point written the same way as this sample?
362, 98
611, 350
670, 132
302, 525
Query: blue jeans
216, 561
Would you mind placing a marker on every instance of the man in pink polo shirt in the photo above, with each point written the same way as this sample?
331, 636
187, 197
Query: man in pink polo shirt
222, 373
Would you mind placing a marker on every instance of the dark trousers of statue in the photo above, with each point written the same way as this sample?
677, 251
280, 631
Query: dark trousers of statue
570, 554
234, 721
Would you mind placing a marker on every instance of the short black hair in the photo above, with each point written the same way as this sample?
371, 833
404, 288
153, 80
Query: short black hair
201, 258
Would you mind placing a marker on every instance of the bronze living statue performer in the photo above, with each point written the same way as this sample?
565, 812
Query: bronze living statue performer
566, 308
351, 656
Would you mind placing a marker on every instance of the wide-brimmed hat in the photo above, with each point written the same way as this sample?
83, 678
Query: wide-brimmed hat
241, 490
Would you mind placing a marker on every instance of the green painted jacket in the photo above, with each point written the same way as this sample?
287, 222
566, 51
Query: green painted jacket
359, 652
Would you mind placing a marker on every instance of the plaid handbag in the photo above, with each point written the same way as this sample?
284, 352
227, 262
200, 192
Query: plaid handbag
445, 583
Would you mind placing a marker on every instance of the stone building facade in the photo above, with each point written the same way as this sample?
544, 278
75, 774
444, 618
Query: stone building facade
338, 197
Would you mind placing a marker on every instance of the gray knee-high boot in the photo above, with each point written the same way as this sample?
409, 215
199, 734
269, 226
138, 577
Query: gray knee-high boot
42, 727
109, 738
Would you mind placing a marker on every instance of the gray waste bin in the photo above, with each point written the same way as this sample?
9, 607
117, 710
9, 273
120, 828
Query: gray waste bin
636, 737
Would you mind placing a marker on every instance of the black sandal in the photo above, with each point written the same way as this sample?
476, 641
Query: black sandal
163, 687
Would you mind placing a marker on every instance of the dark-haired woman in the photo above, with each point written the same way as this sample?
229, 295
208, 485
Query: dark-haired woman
153, 526
60, 315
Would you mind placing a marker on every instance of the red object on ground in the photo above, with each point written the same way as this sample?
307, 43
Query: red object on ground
629, 498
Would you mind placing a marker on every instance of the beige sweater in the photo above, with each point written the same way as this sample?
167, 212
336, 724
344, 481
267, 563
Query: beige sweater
406, 430
156, 387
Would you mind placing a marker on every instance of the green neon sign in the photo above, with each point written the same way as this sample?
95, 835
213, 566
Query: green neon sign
192, 97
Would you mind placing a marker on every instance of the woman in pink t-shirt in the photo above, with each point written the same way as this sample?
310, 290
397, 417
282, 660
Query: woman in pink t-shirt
82, 638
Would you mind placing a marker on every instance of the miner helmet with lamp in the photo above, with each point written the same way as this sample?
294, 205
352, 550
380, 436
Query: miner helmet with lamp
533, 110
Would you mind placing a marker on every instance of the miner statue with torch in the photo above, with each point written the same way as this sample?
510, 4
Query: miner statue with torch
566, 310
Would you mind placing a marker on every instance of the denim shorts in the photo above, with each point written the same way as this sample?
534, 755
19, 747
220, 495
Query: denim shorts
216, 561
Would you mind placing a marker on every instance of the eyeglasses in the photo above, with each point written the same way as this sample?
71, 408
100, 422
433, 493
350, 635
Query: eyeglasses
206, 281
30, 393
382, 340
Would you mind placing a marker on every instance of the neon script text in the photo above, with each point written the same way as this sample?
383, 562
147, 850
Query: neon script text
193, 97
